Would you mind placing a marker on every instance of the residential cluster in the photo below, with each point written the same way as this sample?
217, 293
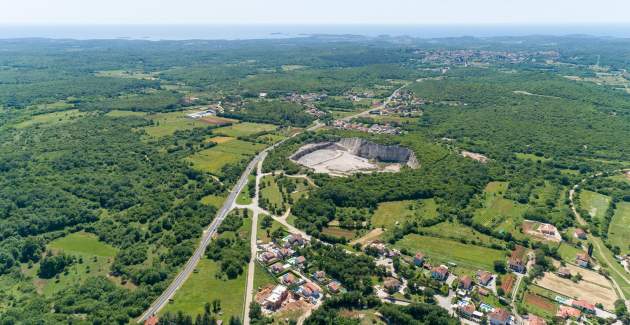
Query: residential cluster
294, 287
475, 57
374, 128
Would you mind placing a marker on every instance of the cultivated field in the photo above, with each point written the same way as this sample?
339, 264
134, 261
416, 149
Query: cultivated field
619, 230
539, 305
51, 118
168, 123
588, 290
440, 250
117, 113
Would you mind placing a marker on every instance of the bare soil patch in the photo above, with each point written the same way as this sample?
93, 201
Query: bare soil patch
540, 302
217, 120
584, 290
507, 283
370, 236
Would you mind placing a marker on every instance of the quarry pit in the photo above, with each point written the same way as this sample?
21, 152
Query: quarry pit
353, 155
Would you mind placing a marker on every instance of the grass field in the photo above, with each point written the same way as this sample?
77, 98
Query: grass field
468, 257
117, 113
97, 258
244, 129
264, 234
599, 255
595, 203
532, 157
244, 196
231, 152
168, 123
567, 252
539, 305
262, 277
500, 213
203, 287
51, 118
389, 213
620, 178
339, 232
457, 231
271, 191
619, 230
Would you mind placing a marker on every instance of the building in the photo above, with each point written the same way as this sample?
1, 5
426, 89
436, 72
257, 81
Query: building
277, 268
579, 233
300, 260
584, 306
276, 298
418, 259
518, 260
391, 284
334, 287
310, 289
465, 282
484, 277
535, 320
568, 312
467, 311
564, 272
153, 320
548, 229
267, 256
319, 276
582, 259
439, 273
262, 95
499, 317
295, 239
288, 279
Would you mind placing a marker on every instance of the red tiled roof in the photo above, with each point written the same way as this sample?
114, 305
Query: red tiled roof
583, 304
535, 320
499, 315
566, 311
465, 281
153, 320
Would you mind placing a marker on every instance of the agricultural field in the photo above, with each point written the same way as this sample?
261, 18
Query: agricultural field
469, 258
244, 129
596, 204
457, 231
388, 214
595, 290
167, 123
95, 257
619, 229
51, 118
119, 113
339, 232
539, 305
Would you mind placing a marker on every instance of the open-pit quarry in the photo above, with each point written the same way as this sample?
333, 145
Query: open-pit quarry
353, 155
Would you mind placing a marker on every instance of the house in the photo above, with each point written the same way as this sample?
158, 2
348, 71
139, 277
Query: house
300, 260
499, 317
467, 311
288, 279
584, 306
319, 275
391, 284
564, 272
277, 297
439, 273
262, 95
579, 233
483, 292
277, 268
153, 320
267, 256
295, 239
568, 312
418, 259
465, 282
548, 229
582, 259
310, 289
484, 277
285, 252
334, 286
518, 260
535, 320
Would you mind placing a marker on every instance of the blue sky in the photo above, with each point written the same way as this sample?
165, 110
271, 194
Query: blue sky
314, 11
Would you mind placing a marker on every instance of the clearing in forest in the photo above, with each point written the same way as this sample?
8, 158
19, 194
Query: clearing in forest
498, 212
388, 214
619, 229
244, 129
212, 160
51, 118
167, 123
594, 203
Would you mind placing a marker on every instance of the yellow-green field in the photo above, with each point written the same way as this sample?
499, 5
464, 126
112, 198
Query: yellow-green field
168, 123
244, 129
498, 212
389, 213
118, 113
457, 231
619, 229
216, 201
596, 204
51, 118
231, 152
529, 156
468, 257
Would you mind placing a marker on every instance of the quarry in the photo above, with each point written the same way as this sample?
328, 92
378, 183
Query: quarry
353, 155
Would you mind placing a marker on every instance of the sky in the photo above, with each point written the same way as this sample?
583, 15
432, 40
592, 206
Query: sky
314, 11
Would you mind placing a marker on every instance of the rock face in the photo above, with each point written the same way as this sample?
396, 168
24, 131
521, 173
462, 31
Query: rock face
358, 147
374, 151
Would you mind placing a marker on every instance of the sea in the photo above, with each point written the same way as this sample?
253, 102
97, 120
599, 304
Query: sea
270, 31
